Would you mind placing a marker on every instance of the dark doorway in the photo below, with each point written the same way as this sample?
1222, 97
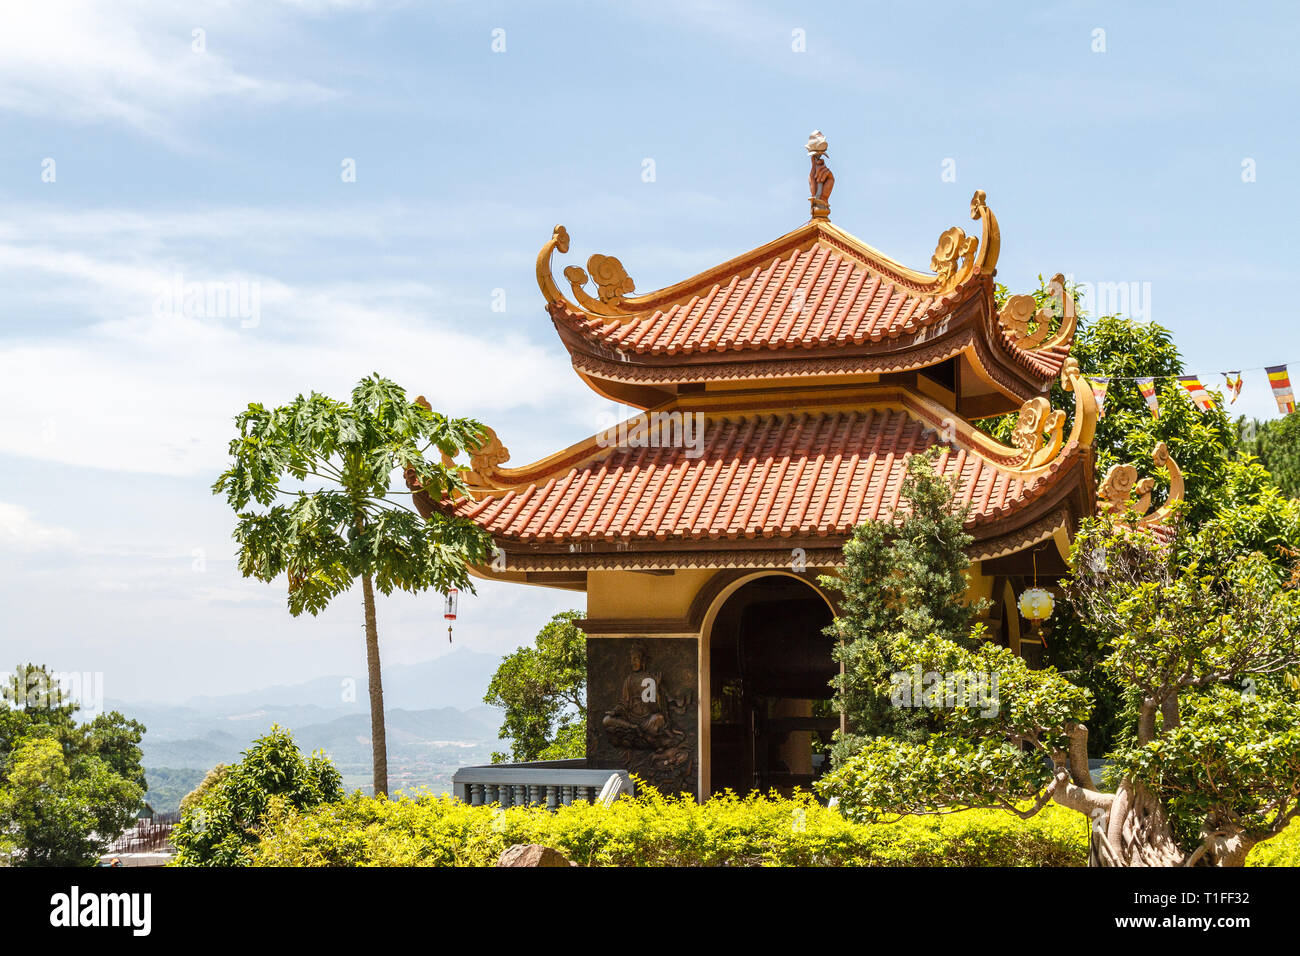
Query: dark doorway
770, 671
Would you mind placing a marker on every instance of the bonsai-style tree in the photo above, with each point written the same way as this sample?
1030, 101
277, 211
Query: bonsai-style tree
1230, 484
904, 577
1207, 766
543, 690
323, 470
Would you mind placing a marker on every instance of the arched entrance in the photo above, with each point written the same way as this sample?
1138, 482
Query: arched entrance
769, 663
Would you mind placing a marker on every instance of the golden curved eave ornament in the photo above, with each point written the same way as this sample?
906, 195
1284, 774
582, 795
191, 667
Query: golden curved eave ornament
956, 258
1027, 325
1039, 433
1121, 491
484, 472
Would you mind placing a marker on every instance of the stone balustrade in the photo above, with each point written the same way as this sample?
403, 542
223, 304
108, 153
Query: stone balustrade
550, 783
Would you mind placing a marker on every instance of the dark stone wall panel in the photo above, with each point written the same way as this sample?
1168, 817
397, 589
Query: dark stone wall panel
642, 706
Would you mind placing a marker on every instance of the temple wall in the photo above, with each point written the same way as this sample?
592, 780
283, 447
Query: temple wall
648, 669
635, 595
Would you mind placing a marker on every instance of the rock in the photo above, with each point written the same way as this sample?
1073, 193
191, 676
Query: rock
532, 854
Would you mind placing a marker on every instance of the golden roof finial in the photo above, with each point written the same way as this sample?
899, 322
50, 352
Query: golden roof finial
820, 180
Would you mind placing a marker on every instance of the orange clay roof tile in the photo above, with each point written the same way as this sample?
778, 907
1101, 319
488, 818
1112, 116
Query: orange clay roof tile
799, 299
800, 474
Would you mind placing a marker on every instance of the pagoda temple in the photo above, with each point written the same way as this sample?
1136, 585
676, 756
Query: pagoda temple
783, 391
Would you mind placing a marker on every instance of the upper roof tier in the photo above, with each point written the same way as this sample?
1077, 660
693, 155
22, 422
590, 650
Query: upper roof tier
815, 302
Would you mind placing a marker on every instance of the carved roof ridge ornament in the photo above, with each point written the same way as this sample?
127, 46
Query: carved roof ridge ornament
820, 178
483, 472
1037, 418
1122, 482
1019, 311
612, 282
957, 258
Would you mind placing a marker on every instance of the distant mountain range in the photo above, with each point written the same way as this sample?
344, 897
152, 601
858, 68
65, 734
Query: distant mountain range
458, 679
435, 721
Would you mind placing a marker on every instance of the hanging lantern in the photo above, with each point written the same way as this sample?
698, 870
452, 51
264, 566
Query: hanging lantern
449, 610
1036, 604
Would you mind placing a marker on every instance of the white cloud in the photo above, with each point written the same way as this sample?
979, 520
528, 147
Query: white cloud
20, 532
93, 372
130, 63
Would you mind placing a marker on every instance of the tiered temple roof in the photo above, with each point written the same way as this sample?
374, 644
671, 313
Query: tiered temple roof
813, 366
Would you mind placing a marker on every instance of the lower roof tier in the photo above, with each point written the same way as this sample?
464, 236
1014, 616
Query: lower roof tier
736, 476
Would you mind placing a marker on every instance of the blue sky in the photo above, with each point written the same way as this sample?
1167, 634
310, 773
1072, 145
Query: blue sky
218, 157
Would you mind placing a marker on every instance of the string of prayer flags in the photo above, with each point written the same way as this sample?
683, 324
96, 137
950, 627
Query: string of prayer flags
1281, 382
1099, 386
1147, 386
1234, 383
1197, 391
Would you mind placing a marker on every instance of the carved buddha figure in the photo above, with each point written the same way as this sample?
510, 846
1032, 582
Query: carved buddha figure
640, 718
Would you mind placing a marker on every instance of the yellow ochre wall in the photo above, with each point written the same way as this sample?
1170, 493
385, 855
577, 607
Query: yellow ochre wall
636, 596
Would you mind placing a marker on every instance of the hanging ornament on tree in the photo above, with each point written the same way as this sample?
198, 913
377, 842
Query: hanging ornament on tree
449, 611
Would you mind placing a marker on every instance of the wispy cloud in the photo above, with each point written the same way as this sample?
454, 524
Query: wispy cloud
20, 532
141, 64
105, 366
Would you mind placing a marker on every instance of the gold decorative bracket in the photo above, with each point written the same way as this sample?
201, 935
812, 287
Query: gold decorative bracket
1019, 312
1121, 483
1037, 418
958, 256
485, 460
612, 282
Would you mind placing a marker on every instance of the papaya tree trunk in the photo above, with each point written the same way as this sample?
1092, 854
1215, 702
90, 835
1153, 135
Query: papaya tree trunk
378, 739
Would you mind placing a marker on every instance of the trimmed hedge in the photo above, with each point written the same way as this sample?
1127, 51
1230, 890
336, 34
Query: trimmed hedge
653, 830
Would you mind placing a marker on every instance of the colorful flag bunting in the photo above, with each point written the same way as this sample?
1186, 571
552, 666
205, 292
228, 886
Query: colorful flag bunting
1147, 386
1099, 386
1195, 389
1281, 382
1234, 385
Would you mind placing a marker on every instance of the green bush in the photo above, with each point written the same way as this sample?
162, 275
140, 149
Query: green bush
221, 824
1282, 850
653, 830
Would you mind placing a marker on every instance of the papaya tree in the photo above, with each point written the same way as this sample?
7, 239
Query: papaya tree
323, 474
1206, 766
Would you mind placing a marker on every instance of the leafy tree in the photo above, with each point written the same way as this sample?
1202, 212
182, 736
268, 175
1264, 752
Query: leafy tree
1223, 482
543, 690
221, 827
211, 780
1203, 443
1208, 768
67, 789
62, 813
903, 578
350, 524
1276, 443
